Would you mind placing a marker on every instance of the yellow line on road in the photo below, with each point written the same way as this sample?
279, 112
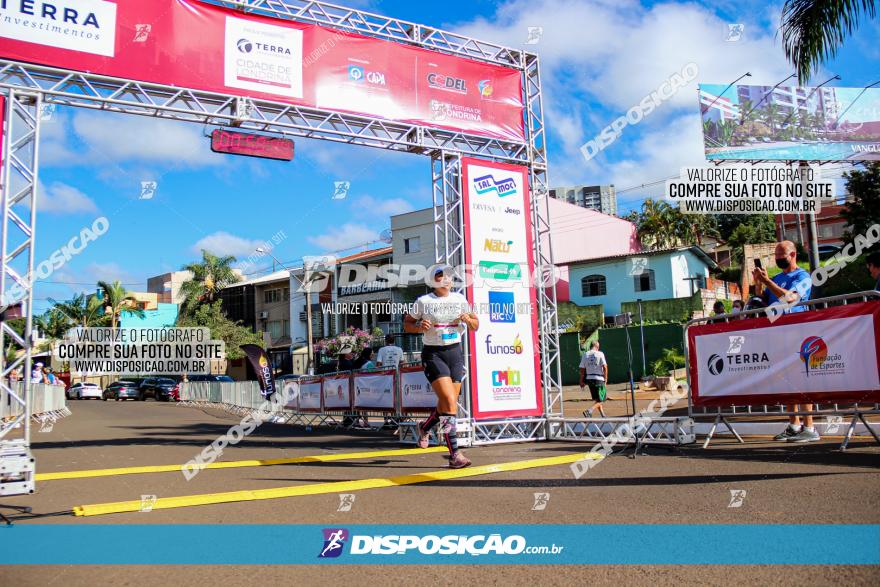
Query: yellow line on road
322, 488
235, 464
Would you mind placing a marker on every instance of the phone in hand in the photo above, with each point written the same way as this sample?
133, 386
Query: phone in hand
758, 264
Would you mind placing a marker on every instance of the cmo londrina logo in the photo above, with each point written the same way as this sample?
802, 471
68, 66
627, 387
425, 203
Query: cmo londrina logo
716, 364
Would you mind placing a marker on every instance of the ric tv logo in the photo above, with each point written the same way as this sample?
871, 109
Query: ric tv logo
487, 183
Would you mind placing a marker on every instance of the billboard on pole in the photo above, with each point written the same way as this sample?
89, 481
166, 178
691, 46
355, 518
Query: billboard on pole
200, 46
790, 123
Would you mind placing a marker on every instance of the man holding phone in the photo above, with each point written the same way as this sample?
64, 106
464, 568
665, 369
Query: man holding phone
790, 286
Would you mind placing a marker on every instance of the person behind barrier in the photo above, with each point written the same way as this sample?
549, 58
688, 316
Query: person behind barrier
594, 373
793, 284
873, 261
718, 308
390, 354
365, 359
737, 307
345, 360
442, 316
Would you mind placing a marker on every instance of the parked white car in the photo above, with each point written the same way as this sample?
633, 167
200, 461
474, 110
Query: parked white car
85, 391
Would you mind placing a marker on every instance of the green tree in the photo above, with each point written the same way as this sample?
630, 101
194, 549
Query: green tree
759, 228
234, 334
864, 209
117, 300
210, 275
83, 310
814, 30
662, 226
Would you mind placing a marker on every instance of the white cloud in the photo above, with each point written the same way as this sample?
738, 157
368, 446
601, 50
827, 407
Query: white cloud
111, 139
368, 205
601, 57
347, 236
223, 243
110, 272
60, 198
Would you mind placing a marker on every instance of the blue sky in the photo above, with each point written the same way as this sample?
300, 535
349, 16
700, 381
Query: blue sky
598, 59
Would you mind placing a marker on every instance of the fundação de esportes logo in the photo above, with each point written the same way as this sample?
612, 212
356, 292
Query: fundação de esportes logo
816, 358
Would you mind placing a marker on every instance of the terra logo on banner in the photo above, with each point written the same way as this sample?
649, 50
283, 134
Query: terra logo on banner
78, 25
263, 58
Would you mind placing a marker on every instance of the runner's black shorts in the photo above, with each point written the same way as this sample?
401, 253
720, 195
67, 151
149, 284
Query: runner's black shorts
443, 361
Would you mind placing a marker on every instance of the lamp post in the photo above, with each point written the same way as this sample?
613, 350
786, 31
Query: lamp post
306, 287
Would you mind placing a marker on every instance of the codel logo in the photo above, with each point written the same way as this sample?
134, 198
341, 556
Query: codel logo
446, 82
813, 352
245, 46
356, 72
716, 364
487, 183
334, 541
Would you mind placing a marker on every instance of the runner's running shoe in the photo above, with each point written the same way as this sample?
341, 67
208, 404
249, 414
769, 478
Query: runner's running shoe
424, 437
459, 461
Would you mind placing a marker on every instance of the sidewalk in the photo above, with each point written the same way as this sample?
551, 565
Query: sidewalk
617, 403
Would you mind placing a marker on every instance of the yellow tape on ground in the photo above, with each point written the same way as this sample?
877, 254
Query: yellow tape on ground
332, 487
234, 464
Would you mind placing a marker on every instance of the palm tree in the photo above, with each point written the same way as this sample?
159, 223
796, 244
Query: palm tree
117, 300
209, 277
83, 310
772, 113
814, 30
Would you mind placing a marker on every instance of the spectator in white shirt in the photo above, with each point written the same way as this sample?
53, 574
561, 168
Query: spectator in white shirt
594, 373
390, 354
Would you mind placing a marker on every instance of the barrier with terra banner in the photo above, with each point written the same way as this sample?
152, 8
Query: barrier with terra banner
746, 367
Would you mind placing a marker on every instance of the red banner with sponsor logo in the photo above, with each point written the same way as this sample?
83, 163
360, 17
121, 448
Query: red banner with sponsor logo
190, 44
828, 355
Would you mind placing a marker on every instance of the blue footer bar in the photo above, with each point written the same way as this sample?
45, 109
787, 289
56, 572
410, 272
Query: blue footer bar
746, 544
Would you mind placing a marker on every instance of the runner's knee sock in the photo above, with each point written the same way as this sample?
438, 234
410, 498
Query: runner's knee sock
432, 420
449, 428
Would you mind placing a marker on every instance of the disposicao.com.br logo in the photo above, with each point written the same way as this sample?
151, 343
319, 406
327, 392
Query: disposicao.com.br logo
452, 544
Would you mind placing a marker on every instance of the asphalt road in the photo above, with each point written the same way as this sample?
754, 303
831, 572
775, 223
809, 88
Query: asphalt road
811, 483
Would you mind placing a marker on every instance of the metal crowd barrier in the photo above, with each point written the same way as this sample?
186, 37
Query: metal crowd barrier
46, 402
244, 397
834, 412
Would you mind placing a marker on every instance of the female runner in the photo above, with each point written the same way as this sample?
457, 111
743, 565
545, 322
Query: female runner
442, 317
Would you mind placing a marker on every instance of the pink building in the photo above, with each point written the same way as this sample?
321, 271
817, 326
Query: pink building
582, 234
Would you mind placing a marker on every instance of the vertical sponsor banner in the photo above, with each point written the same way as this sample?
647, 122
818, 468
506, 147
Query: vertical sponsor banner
504, 361
260, 362
309, 399
416, 393
824, 355
336, 390
375, 390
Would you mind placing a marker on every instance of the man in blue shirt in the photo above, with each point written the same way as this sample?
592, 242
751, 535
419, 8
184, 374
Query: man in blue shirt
791, 286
